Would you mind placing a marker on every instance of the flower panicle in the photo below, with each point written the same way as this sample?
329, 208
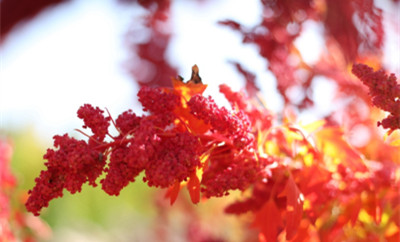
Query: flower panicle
384, 91
168, 144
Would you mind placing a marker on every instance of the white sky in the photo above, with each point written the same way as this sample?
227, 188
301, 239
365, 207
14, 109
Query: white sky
75, 53
65, 58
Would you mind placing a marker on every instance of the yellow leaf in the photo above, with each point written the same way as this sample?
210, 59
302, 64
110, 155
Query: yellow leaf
311, 127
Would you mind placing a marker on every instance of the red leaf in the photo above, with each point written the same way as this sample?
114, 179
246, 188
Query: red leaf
373, 206
173, 192
294, 208
306, 232
353, 209
393, 238
194, 188
268, 220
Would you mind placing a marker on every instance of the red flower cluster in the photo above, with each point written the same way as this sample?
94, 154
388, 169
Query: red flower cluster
260, 118
385, 92
94, 119
167, 144
229, 171
235, 126
74, 163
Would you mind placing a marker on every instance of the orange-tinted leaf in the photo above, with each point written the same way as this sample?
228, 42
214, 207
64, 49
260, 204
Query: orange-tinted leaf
195, 125
306, 232
394, 237
194, 188
186, 91
268, 220
294, 208
331, 142
313, 180
173, 192
353, 209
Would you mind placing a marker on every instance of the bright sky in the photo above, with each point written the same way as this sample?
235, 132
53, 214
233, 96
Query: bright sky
75, 53
65, 58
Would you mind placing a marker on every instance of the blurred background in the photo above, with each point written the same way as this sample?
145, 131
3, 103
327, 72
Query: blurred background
77, 52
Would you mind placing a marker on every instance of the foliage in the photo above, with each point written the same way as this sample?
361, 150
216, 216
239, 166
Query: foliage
298, 182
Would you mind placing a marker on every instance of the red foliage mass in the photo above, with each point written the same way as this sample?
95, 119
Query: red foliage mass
355, 25
178, 138
152, 53
353, 29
